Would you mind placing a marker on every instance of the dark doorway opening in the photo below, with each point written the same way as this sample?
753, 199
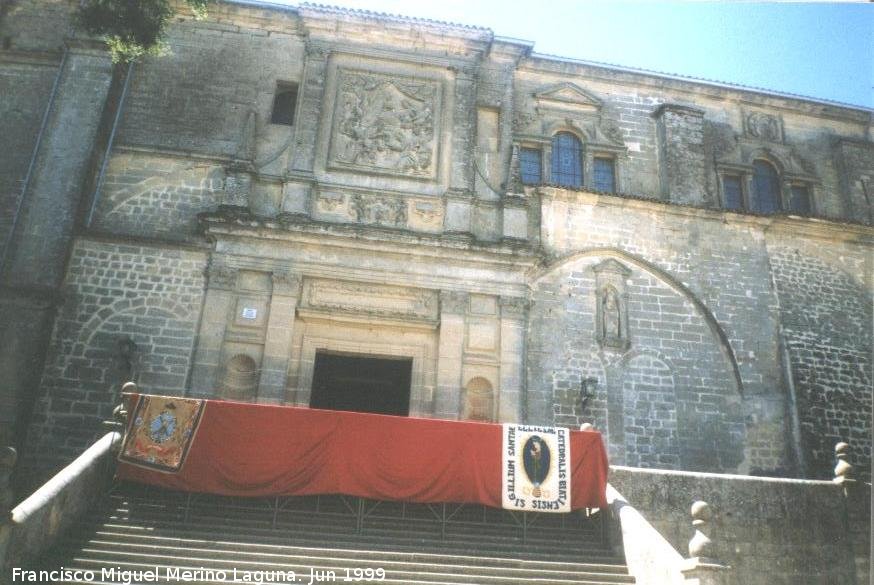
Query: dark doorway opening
362, 383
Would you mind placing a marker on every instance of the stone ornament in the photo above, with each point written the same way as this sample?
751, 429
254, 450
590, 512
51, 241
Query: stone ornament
764, 126
426, 212
386, 124
514, 307
222, 277
453, 302
387, 211
373, 299
844, 469
701, 546
286, 283
331, 202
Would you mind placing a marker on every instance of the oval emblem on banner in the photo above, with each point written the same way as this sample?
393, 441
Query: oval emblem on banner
535, 459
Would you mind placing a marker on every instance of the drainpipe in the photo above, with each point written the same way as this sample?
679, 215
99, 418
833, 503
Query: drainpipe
95, 197
29, 175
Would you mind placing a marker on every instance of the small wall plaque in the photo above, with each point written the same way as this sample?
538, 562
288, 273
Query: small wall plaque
249, 313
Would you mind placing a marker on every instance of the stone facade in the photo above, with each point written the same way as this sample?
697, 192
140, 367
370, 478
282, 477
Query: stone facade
192, 244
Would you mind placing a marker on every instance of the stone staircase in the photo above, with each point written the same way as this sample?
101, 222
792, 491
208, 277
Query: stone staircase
339, 538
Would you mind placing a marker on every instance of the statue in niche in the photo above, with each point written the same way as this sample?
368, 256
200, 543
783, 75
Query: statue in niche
612, 326
611, 315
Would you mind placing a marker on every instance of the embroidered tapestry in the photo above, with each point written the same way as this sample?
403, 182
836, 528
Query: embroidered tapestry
161, 432
536, 472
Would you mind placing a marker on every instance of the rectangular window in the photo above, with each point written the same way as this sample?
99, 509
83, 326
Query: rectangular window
530, 165
604, 175
799, 201
284, 103
732, 195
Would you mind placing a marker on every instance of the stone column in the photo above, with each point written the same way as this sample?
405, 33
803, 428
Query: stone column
702, 568
217, 306
513, 318
453, 307
277, 342
681, 154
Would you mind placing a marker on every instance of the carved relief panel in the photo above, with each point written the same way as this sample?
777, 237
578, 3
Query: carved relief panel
375, 300
386, 124
763, 126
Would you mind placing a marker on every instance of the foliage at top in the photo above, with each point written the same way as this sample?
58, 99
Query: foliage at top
132, 28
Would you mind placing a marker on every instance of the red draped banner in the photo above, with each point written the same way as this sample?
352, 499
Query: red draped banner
244, 449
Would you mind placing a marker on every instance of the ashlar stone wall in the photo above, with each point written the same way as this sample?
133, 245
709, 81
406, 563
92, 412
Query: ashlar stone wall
114, 293
825, 310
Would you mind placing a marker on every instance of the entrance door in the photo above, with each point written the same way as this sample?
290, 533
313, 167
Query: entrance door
362, 383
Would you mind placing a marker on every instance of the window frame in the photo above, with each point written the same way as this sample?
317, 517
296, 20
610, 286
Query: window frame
754, 200
742, 180
531, 148
581, 153
284, 87
614, 166
808, 187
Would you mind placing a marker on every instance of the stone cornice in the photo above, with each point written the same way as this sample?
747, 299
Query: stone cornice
369, 239
810, 227
700, 88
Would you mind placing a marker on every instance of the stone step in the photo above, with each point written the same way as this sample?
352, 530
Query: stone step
261, 561
421, 573
387, 539
120, 540
141, 529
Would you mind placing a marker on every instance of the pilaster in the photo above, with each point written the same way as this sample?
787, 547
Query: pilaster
218, 304
514, 311
453, 306
277, 344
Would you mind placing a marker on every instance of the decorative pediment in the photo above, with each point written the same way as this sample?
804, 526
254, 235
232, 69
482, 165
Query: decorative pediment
611, 266
566, 96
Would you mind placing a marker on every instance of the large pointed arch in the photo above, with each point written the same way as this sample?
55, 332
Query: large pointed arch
673, 283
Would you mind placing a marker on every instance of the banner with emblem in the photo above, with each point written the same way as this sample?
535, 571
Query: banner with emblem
161, 431
536, 474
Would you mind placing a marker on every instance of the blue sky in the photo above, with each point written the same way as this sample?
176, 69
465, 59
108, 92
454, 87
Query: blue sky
820, 50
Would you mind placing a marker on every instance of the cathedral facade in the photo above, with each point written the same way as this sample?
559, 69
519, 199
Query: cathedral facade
331, 208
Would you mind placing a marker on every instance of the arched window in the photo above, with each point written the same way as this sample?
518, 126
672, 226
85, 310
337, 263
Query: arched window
567, 160
766, 188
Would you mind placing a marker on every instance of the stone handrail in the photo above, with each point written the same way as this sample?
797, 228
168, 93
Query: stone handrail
651, 559
35, 524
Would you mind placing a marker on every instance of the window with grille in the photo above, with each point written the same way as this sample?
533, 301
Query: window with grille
604, 174
799, 199
530, 165
732, 194
766, 188
567, 160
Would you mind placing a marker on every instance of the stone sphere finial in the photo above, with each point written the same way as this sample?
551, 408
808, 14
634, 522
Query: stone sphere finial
587, 427
843, 469
700, 545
